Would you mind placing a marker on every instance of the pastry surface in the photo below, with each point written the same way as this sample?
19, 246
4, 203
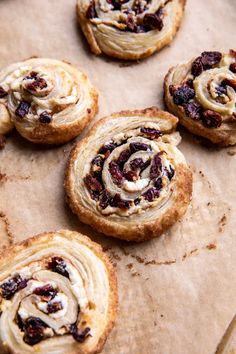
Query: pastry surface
49, 101
58, 295
202, 94
132, 29
127, 178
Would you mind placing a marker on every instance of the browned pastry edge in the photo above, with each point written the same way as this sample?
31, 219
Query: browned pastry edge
139, 232
84, 24
218, 137
11, 251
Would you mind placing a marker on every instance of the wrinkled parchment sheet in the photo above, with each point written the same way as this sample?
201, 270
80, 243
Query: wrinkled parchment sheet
177, 293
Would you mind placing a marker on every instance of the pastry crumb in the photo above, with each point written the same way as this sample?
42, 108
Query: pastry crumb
211, 246
223, 220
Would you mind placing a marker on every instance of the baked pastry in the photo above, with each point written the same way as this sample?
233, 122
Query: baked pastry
228, 342
202, 93
127, 178
129, 29
58, 295
49, 101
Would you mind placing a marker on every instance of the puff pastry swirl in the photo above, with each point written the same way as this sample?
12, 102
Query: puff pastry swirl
127, 178
58, 295
49, 101
202, 93
129, 29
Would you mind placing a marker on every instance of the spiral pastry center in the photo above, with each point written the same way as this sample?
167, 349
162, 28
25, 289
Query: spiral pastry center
131, 172
215, 90
41, 91
46, 301
205, 88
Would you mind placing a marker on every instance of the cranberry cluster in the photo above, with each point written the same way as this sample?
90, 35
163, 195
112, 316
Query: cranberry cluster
37, 83
11, 286
184, 96
119, 174
206, 61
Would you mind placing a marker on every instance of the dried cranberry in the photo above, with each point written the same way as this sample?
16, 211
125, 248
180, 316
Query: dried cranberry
156, 166
124, 156
210, 58
11, 286
221, 90
130, 176
197, 67
189, 83
118, 202
232, 68
46, 291
91, 11
137, 201
130, 23
136, 164
151, 194
205, 61
134, 147
232, 53
106, 148
183, 94
53, 307
45, 117
93, 185
33, 335
211, 119
79, 336
228, 82
97, 165
104, 199
151, 133
158, 183
115, 172
154, 21
34, 330
22, 109
98, 161
117, 3
170, 173
58, 265
3, 93
38, 83
32, 75
193, 110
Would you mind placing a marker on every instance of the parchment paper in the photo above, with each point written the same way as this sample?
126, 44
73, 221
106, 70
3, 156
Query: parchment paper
177, 293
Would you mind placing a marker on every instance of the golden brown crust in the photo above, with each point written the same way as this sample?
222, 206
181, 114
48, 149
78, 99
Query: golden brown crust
44, 238
138, 231
220, 136
98, 47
